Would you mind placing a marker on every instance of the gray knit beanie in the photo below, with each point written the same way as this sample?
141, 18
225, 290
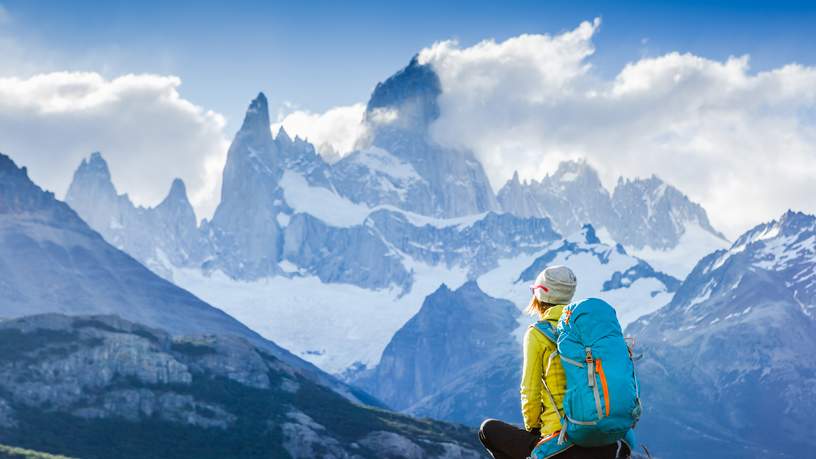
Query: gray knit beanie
558, 284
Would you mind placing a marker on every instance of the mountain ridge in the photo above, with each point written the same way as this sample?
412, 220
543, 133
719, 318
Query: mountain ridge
736, 336
52, 261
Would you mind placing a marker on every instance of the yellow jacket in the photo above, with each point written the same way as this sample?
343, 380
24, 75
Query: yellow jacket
536, 406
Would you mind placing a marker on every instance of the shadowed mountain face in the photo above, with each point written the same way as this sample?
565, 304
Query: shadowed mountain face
51, 261
102, 387
728, 368
452, 331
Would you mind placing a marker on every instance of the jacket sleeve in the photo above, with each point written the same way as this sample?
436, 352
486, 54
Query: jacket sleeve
531, 382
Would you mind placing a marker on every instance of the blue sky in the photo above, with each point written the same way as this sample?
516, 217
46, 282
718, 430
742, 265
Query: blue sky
320, 54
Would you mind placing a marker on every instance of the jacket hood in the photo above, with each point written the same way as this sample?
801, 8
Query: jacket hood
553, 313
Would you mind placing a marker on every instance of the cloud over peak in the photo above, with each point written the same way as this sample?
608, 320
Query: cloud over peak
148, 133
714, 129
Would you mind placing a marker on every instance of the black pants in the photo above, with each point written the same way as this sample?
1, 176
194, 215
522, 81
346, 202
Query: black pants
506, 441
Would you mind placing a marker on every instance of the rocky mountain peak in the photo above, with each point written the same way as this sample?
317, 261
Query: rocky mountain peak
793, 222
574, 173
178, 191
178, 201
9, 171
588, 234
515, 180
422, 353
257, 115
93, 173
95, 164
415, 81
18, 194
283, 137
411, 93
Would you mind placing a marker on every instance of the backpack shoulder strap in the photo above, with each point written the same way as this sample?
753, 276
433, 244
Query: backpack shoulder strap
547, 329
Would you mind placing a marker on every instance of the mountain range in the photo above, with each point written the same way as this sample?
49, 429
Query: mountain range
395, 268
82, 374
384, 225
725, 369
51, 261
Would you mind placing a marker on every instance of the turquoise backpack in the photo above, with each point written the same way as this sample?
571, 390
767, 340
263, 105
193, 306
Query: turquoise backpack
602, 401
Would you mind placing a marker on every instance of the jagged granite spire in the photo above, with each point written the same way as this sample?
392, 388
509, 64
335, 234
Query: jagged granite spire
256, 118
655, 214
411, 94
92, 193
178, 212
154, 236
247, 234
177, 189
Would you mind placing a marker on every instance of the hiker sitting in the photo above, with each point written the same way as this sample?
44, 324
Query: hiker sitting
543, 385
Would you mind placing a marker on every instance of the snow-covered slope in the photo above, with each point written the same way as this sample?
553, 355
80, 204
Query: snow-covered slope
604, 271
731, 355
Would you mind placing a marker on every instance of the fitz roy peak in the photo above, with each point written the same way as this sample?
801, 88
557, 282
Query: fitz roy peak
402, 165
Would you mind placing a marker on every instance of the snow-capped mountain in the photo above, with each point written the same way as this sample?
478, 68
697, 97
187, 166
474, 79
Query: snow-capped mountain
571, 197
728, 363
285, 232
364, 239
459, 357
604, 271
648, 216
52, 261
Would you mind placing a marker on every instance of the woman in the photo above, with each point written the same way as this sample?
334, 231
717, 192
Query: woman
553, 289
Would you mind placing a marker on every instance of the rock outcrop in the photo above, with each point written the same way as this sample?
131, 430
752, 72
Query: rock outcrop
100, 386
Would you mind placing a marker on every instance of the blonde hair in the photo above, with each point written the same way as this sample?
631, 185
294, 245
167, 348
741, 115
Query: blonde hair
537, 306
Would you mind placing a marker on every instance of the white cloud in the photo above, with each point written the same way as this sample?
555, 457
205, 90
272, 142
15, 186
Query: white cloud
146, 130
741, 143
334, 132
